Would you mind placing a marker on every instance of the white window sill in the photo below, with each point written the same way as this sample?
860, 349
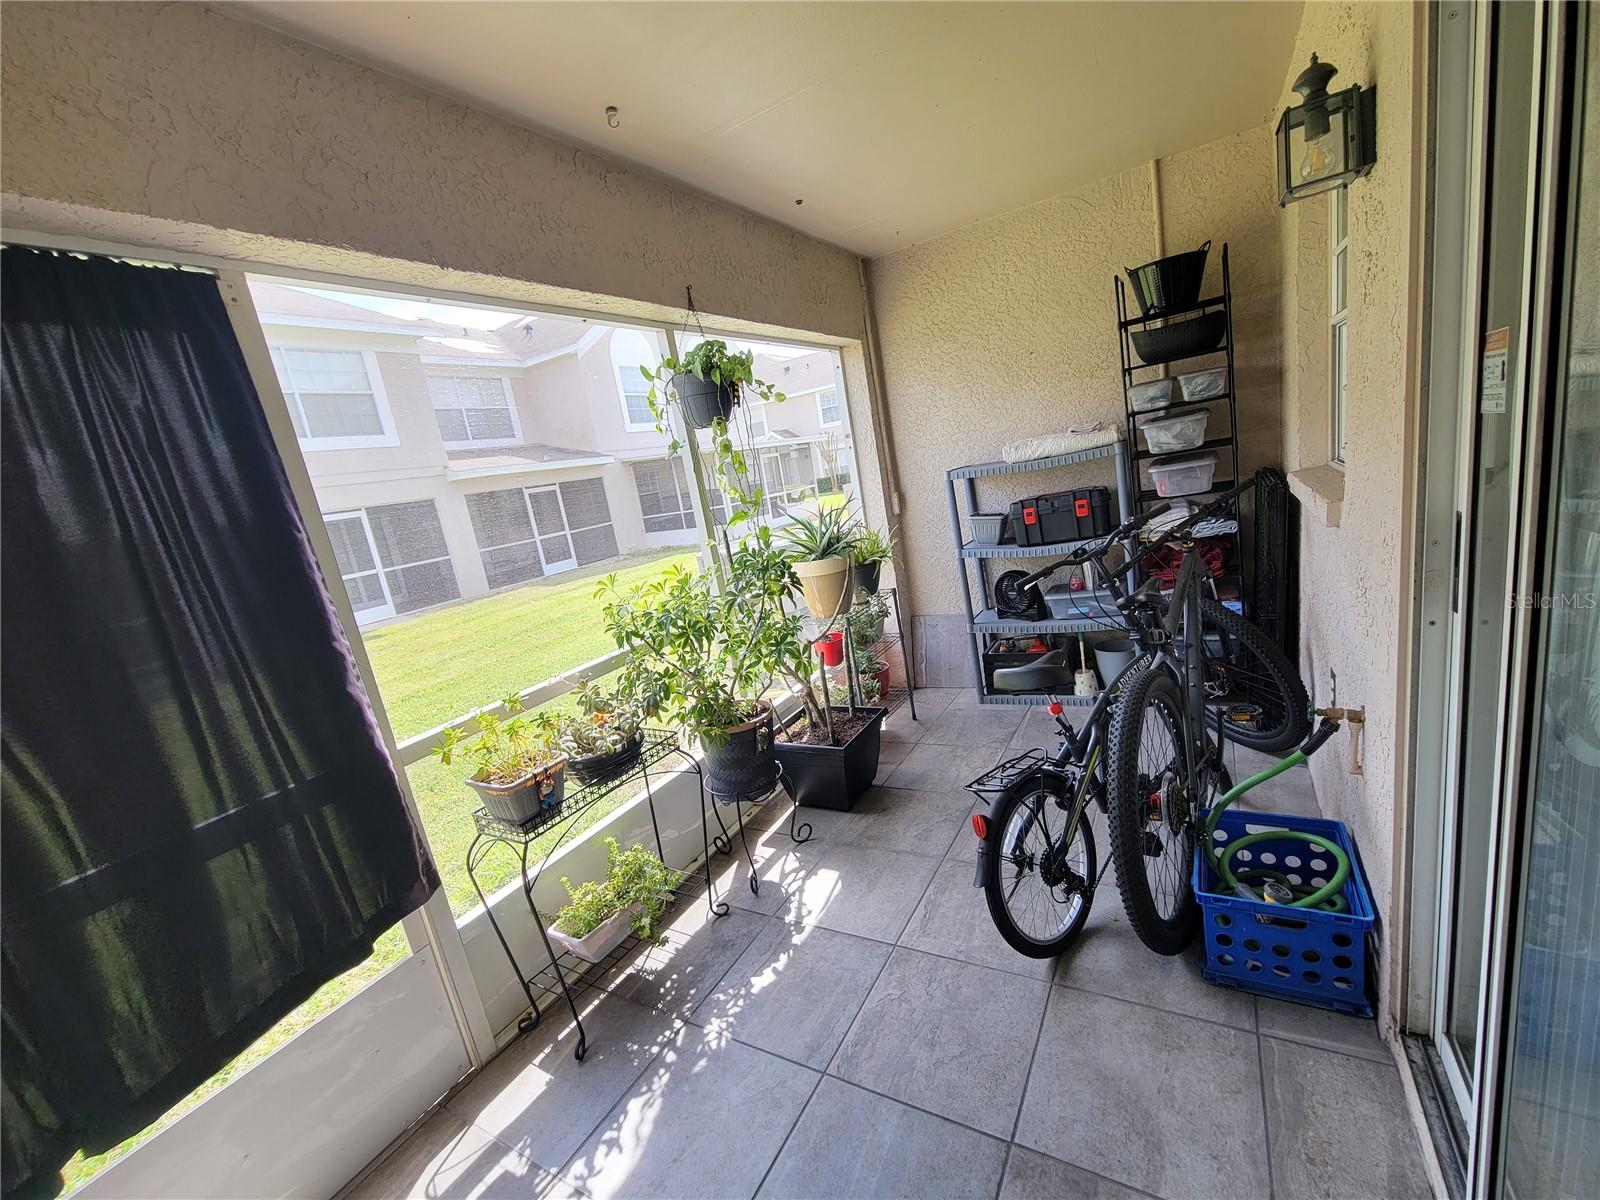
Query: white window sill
1320, 490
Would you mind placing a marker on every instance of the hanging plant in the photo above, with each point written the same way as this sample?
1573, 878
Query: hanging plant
706, 384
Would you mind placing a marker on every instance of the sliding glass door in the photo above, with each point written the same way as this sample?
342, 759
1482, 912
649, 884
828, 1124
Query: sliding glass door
1550, 1103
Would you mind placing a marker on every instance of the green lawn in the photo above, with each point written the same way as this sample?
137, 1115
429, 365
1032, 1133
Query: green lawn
438, 665
431, 668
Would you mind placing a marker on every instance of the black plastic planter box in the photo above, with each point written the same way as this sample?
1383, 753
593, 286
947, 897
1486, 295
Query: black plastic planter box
833, 776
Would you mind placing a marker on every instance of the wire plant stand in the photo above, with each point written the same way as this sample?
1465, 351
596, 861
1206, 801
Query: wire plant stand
567, 977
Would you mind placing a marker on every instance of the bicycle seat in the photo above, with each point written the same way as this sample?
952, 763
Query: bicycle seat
1049, 674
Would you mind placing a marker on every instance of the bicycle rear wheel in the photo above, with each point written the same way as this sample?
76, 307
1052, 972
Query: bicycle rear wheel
1150, 810
1264, 703
1039, 890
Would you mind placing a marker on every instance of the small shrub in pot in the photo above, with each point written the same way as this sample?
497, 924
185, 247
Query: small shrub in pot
873, 548
604, 737
632, 898
519, 771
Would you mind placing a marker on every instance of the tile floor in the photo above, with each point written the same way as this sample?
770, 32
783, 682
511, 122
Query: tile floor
858, 1029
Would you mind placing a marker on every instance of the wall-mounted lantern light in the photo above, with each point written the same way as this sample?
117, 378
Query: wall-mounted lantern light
1325, 141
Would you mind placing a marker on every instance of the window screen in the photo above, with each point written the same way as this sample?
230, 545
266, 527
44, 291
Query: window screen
412, 550
663, 495
504, 531
589, 518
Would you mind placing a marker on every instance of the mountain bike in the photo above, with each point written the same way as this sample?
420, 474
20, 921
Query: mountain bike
1037, 859
1163, 766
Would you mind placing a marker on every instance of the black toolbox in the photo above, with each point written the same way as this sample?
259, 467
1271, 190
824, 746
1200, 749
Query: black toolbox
1061, 517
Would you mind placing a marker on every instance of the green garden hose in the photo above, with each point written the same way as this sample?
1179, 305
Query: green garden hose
1263, 883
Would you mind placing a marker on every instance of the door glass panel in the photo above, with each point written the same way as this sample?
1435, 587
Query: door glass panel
1552, 1108
1495, 415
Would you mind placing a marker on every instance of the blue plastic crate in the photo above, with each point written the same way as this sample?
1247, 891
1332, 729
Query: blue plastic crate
1306, 955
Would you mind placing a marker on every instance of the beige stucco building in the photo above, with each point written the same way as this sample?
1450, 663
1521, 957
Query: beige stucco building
452, 460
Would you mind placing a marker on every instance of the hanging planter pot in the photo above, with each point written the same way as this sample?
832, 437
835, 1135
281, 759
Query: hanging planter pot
827, 584
741, 762
521, 800
704, 401
868, 576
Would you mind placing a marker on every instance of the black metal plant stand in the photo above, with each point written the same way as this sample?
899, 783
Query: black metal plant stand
567, 976
799, 831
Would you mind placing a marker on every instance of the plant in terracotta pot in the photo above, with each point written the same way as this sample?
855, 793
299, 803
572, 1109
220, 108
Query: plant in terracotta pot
604, 737
518, 769
822, 548
707, 383
632, 898
873, 548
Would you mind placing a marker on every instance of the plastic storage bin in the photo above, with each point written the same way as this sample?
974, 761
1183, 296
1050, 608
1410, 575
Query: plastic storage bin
1184, 476
1204, 385
1146, 397
1172, 434
989, 529
1301, 954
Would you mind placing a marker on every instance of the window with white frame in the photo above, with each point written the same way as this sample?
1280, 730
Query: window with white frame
334, 397
758, 419
1338, 318
473, 408
631, 350
828, 411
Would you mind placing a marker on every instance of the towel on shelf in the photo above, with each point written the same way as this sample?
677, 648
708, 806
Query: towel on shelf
1048, 445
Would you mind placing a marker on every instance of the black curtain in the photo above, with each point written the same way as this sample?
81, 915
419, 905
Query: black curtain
200, 823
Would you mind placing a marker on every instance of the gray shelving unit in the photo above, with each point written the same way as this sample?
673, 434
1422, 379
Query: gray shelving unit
971, 556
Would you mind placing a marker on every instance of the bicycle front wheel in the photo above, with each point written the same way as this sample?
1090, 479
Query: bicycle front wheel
1150, 811
1041, 883
1263, 701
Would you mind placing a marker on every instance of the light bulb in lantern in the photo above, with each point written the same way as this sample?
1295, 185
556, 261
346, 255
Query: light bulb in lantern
1318, 157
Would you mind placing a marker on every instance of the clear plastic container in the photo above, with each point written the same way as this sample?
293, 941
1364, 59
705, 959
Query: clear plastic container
1184, 476
1204, 385
1173, 434
1147, 397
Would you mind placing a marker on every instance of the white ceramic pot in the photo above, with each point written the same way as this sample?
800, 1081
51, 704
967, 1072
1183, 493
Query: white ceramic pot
602, 939
828, 585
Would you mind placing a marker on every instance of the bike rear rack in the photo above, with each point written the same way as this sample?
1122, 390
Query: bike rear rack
999, 778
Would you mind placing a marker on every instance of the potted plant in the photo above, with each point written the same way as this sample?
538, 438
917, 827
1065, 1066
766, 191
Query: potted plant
822, 548
708, 382
603, 739
873, 548
704, 658
519, 771
632, 898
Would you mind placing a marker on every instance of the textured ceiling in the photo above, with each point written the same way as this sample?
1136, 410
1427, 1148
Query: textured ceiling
893, 123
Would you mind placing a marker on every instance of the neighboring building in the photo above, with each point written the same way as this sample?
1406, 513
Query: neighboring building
451, 461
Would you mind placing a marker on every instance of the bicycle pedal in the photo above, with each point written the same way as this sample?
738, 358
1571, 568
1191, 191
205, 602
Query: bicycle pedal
1150, 844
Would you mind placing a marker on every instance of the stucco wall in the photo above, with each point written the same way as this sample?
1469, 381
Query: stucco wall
1351, 582
186, 127
1008, 328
